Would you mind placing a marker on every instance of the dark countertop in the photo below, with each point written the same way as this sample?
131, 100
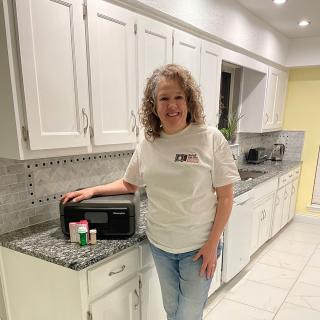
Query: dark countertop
46, 240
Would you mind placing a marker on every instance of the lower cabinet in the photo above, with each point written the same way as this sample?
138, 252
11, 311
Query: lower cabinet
286, 197
151, 298
123, 303
264, 199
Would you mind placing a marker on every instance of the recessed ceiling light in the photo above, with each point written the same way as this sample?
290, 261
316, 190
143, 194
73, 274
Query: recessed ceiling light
279, 1
303, 23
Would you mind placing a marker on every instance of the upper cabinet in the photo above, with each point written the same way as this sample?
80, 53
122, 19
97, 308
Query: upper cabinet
187, 52
53, 69
210, 80
262, 100
203, 59
112, 65
154, 49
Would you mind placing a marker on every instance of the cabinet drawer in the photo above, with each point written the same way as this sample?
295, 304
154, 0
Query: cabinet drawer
108, 274
284, 179
296, 173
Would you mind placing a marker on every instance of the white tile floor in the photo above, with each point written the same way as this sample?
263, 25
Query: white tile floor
282, 282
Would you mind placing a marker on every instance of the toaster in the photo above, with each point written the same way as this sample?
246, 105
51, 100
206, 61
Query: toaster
112, 216
257, 155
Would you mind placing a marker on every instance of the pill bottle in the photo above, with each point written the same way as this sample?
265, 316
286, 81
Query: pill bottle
84, 223
82, 236
73, 230
93, 236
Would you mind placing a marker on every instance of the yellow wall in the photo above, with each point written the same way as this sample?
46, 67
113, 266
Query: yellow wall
302, 112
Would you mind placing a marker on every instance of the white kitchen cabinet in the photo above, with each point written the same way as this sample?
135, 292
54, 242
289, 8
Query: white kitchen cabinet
154, 48
52, 49
262, 100
123, 303
187, 52
43, 78
278, 210
210, 75
112, 61
293, 198
269, 112
151, 298
263, 206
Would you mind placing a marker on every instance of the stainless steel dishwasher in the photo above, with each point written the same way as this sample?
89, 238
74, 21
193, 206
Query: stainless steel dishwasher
237, 237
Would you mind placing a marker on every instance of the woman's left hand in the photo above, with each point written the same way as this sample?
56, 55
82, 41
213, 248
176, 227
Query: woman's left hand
209, 259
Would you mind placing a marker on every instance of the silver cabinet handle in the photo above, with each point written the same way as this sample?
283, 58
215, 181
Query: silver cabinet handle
267, 117
137, 295
87, 120
277, 201
277, 117
111, 273
134, 121
285, 195
293, 190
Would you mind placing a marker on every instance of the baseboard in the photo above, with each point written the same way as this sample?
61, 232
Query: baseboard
314, 208
303, 217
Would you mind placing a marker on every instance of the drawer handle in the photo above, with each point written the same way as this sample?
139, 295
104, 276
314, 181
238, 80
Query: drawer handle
136, 306
290, 176
111, 273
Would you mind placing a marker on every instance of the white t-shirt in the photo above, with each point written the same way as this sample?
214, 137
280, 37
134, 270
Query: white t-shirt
179, 172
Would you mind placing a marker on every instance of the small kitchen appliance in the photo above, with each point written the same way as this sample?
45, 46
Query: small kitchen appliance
278, 152
257, 155
112, 216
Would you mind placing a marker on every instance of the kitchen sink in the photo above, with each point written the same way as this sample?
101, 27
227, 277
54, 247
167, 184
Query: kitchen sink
246, 174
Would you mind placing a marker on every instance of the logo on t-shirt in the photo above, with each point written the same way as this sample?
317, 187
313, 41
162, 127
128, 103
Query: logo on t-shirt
191, 157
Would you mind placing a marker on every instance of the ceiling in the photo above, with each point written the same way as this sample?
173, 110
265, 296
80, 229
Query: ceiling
285, 17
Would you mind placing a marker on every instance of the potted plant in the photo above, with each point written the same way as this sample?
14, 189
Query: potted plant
230, 131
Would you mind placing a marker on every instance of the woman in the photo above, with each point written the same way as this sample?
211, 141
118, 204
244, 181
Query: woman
188, 171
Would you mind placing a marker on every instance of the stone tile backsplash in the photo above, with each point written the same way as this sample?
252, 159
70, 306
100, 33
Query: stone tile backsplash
293, 141
30, 190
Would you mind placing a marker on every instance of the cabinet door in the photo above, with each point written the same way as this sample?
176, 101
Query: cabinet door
121, 304
151, 298
278, 208
256, 219
154, 48
112, 72
271, 98
286, 205
186, 52
267, 209
54, 72
210, 80
293, 198
280, 100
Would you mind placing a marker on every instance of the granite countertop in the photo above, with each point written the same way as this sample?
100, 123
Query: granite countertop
46, 240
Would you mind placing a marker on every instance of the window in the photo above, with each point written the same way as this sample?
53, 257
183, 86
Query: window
229, 92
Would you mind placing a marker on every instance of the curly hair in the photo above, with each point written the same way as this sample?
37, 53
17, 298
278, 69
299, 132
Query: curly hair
148, 111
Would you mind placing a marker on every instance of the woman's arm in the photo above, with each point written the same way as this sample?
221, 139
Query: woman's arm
209, 250
117, 187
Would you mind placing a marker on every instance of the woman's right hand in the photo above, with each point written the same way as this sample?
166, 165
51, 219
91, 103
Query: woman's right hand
77, 196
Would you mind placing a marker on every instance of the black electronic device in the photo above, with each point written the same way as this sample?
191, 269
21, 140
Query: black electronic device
257, 155
112, 216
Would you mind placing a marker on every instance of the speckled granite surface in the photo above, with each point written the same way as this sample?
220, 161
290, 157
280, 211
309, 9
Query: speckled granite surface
46, 241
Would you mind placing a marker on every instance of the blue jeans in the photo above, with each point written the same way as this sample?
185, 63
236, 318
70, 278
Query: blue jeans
184, 292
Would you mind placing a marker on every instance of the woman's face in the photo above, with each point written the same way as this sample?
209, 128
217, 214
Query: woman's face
171, 106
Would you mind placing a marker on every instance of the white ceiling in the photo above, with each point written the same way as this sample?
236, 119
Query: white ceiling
285, 17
